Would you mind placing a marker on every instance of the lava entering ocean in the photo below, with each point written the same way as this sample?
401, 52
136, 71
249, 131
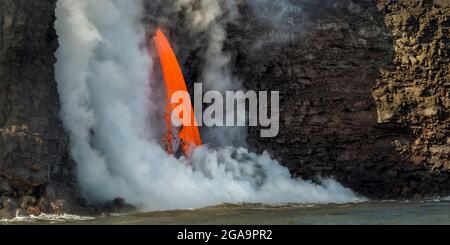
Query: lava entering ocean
189, 135
110, 107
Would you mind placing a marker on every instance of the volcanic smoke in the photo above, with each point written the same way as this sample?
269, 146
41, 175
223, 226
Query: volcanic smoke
112, 115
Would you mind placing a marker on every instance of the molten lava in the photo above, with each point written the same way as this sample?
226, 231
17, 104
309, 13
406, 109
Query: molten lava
189, 135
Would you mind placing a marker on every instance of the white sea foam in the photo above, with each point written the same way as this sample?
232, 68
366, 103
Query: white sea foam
47, 218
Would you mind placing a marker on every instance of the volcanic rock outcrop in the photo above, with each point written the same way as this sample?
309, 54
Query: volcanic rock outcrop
364, 87
36, 173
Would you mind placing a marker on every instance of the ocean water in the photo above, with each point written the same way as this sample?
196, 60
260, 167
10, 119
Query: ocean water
368, 213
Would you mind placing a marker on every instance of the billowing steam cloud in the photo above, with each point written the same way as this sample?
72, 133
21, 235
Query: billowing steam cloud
110, 109
211, 17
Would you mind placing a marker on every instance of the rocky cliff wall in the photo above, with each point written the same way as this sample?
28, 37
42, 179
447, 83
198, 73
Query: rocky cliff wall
364, 88
34, 157
416, 93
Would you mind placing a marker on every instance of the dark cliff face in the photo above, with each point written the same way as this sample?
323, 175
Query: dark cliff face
34, 158
364, 90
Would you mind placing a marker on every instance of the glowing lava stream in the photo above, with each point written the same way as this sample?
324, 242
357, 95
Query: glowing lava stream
189, 136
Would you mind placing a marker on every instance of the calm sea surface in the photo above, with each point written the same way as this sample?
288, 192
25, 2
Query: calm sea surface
387, 212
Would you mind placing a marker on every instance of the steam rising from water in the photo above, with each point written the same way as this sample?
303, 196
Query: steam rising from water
108, 108
210, 17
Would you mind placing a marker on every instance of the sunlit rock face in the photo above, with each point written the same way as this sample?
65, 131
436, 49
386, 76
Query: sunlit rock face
416, 93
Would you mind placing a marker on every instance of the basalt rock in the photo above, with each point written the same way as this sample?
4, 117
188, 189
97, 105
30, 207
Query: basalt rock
33, 145
364, 91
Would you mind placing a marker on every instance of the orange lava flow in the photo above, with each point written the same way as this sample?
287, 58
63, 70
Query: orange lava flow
174, 81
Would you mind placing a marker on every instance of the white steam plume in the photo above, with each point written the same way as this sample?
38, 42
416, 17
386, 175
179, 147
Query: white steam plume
212, 17
108, 108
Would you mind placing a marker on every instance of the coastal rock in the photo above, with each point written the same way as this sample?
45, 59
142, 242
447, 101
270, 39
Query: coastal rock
8, 209
33, 144
364, 94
